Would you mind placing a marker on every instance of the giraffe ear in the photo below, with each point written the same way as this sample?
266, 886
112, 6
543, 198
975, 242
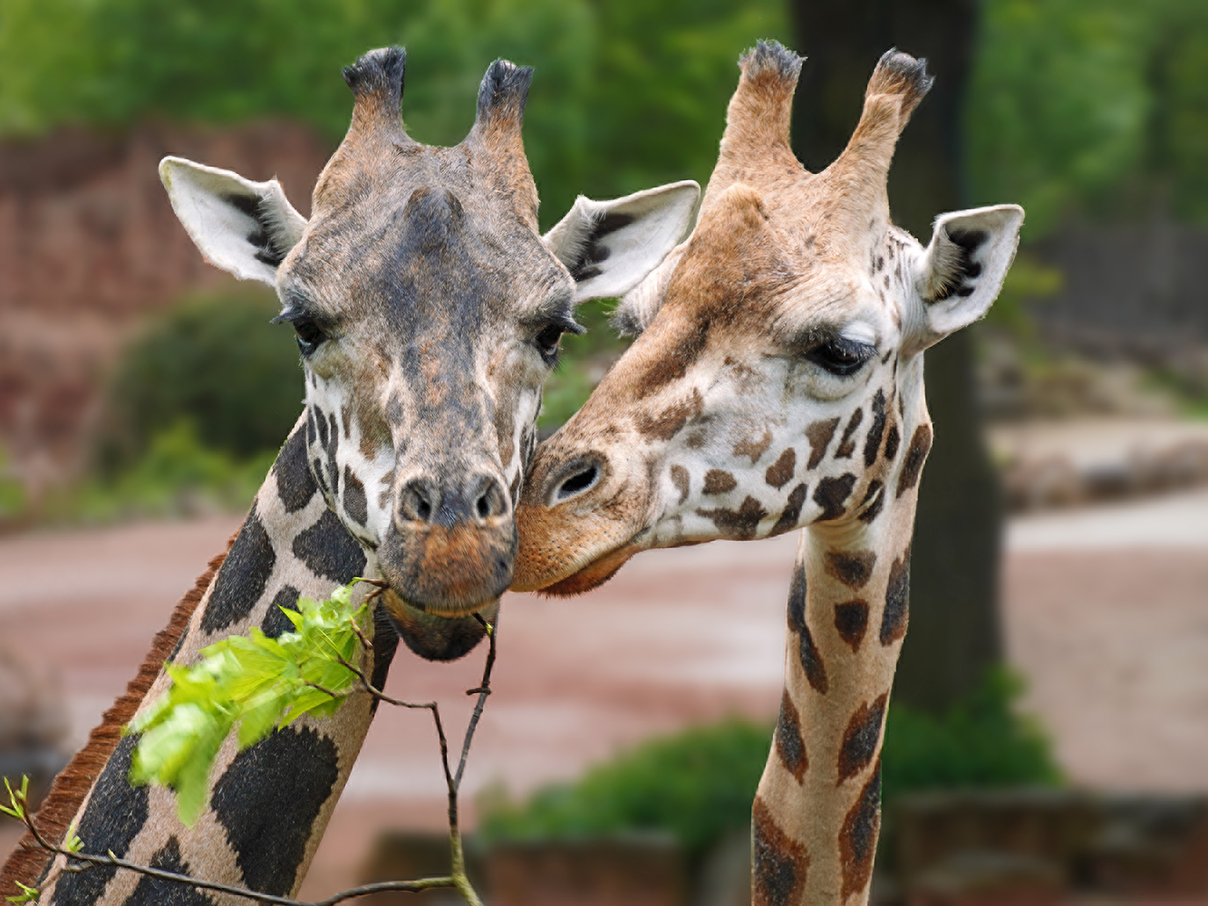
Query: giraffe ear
962, 270
246, 228
609, 246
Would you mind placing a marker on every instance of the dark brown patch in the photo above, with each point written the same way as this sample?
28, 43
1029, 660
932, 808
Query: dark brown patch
741, 523
847, 445
671, 420
873, 509
346, 419
781, 471
718, 481
778, 863
819, 435
356, 506
695, 439
896, 614
792, 510
831, 494
28, 862
861, 739
811, 660
852, 570
858, 836
851, 621
892, 439
754, 448
679, 478
789, 744
876, 431
920, 445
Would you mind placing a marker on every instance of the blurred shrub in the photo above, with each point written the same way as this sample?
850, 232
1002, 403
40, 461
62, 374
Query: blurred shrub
982, 741
214, 362
178, 476
699, 785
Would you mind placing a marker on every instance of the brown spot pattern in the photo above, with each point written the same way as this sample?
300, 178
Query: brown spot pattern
671, 420
847, 445
832, 493
858, 836
667, 369
896, 614
679, 478
811, 660
754, 448
876, 431
789, 744
741, 523
851, 621
792, 510
781, 471
819, 435
718, 481
872, 510
779, 863
861, 739
852, 570
920, 445
892, 439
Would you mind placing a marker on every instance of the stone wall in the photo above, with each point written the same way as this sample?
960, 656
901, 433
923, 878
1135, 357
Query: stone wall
88, 247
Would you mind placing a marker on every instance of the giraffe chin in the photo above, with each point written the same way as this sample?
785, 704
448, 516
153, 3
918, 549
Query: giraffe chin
591, 576
432, 636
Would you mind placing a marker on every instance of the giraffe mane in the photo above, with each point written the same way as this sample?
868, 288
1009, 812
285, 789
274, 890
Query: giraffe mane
28, 863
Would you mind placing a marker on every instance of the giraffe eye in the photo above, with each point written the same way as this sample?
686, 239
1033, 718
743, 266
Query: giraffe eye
546, 340
309, 335
841, 357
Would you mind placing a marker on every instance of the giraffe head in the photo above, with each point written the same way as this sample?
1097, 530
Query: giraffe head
428, 311
777, 378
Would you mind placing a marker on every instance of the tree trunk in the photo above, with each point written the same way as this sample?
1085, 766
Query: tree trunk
954, 631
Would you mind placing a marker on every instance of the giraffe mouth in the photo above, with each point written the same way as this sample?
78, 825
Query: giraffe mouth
593, 575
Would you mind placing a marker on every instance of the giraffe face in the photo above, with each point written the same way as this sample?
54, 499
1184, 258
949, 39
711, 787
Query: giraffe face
776, 381
428, 311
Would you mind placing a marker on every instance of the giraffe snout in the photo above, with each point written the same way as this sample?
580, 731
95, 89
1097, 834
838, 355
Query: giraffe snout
452, 545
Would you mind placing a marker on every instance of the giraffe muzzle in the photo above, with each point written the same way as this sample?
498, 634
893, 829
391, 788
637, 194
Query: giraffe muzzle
452, 544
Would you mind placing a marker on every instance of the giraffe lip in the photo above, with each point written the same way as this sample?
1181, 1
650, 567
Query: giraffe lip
593, 575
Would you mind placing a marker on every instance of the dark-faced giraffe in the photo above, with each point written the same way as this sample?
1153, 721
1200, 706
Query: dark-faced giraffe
776, 383
428, 311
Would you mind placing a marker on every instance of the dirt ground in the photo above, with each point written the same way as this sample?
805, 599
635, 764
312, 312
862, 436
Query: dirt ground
1106, 614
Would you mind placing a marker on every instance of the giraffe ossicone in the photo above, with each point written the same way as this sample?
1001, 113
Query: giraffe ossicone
428, 310
776, 383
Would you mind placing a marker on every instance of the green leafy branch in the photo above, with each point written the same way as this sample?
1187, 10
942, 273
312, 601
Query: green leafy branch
255, 682
261, 684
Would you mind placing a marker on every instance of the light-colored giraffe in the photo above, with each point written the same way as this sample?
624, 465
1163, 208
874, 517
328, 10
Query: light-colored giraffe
777, 383
428, 311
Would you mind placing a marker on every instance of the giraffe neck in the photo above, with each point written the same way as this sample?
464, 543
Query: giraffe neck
817, 812
270, 804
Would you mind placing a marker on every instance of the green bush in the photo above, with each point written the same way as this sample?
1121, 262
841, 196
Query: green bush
982, 741
178, 476
214, 362
699, 785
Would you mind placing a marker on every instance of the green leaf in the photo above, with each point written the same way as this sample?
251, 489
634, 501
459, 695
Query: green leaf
27, 894
255, 682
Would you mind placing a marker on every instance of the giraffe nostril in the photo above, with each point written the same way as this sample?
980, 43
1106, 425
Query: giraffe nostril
490, 500
582, 480
417, 501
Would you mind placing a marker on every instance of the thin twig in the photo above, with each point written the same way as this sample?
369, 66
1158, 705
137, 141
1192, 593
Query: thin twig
112, 861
